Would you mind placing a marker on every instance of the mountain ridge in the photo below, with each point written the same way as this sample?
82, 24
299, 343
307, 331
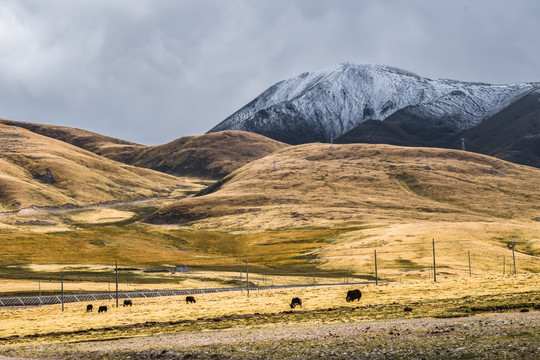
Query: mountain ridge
512, 134
318, 106
208, 156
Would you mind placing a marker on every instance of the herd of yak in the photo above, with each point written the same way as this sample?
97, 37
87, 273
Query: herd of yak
296, 301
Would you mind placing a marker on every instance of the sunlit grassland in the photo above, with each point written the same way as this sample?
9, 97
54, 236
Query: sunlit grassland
404, 251
449, 297
150, 245
362, 183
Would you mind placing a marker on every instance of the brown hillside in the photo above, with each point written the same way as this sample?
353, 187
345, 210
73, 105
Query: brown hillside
209, 156
38, 170
81, 138
314, 185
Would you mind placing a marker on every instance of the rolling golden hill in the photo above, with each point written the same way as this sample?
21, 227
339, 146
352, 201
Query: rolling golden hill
81, 138
394, 199
36, 170
314, 185
208, 156
321, 211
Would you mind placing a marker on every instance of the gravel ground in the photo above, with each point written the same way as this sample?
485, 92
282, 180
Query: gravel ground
494, 336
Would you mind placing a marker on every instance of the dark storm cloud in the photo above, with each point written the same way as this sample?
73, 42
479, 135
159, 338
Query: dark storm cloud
151, 71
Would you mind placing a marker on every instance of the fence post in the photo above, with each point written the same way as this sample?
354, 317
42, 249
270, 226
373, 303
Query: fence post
247, 277
514, 256
376, 274
62, 287
434, 268
470, 273
116, 269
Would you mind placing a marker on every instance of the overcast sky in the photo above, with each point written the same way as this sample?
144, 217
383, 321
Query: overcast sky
152, 71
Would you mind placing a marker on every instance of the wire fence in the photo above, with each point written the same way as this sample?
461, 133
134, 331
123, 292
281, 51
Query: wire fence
16, 301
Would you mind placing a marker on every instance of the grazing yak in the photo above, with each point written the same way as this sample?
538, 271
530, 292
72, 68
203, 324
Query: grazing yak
102, 308
190, 299
89, 308
127, 303
353, 295
296, 301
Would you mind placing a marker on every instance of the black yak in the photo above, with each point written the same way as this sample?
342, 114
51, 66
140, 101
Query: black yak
128, 303
89, 308
190, 299
353, 295
102, 308
296, 301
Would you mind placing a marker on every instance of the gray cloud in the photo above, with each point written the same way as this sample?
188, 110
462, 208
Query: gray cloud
152, 71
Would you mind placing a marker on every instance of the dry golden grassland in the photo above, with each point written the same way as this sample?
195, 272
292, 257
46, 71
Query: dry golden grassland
404, 251
446, 298
363, 184
378, 197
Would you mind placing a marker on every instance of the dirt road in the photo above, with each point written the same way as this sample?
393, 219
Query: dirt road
513, 335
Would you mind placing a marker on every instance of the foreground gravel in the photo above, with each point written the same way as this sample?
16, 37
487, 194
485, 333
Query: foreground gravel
495, 336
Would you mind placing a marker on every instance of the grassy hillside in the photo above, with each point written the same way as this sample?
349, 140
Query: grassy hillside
41, 171
81, 138
209, 156
380, 197
314, 185
321, 213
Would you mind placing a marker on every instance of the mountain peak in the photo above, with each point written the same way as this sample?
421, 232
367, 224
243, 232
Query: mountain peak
316, 106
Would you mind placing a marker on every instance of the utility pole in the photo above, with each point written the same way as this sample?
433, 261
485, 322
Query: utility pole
274, 165
62, 287
514, 256
470, 273
434, 267
116, 269
331, 141
376, 274
247, 277
463, 144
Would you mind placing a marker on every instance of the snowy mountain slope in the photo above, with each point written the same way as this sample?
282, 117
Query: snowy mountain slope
318, 106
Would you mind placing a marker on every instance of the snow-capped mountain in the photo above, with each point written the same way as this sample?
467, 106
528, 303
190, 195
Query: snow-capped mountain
319, 105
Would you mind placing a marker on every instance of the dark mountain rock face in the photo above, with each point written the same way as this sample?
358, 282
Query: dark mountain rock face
512, 134
328, 104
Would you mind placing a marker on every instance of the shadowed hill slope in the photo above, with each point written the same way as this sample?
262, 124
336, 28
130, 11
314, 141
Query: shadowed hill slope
314, 185
41, 171
209, 156
513, 134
